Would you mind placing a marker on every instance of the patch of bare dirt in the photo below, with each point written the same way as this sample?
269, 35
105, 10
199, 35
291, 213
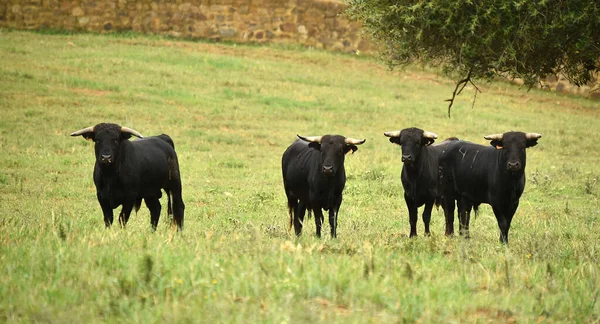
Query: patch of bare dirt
97, 93
340, 309
486, 315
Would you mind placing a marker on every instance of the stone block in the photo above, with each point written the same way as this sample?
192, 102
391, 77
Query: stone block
83, 20
185, 6
16, 10
77, 12
288, 27
227, 32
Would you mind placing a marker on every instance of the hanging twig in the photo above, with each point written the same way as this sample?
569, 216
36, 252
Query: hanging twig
457, 92
474, 97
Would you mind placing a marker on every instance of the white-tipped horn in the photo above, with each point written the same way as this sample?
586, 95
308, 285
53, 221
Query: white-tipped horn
131, 131
354, 141
313, 139
82, 131
431, 135
497, 137
532, 135
392, 134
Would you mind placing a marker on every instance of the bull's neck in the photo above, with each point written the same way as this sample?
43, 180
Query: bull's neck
415, 169
108, 170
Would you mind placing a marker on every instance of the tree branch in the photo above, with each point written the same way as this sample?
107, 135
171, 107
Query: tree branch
454, 94
457, 92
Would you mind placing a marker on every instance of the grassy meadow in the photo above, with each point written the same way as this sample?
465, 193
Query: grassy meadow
232, 110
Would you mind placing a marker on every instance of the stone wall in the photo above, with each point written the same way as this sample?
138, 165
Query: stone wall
562, 85
314, 23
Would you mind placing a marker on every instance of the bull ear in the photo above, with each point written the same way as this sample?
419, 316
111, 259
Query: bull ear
497, 144
127, 132
427, 141
531, 142
88, 133
395, 140
350, 147
428, 138
394, 137
315, 145
532, 139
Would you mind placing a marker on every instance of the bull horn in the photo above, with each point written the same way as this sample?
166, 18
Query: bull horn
131, 131
494, 137
532, 135
392, 134
82, 131
312, 139
431, 135
354, 141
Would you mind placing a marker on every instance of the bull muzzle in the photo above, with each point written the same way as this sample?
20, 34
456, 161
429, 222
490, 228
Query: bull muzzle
513, 166
407, 158
106, 159
328, 170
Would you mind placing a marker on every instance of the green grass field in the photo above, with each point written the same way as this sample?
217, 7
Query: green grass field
232, 110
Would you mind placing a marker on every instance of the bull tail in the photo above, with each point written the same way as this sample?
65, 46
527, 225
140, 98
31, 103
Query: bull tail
169, 207
290, 213
476, 210
437, 202
167, 139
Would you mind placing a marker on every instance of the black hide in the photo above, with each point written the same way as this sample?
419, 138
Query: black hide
474, 174
127, 172
314, 178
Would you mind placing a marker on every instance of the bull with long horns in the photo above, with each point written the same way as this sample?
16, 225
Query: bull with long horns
472, 174
314, 178
127, 172
419, 172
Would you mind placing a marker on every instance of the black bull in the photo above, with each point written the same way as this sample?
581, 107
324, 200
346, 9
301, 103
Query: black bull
473, 174
126, 172
314, 178
419, 172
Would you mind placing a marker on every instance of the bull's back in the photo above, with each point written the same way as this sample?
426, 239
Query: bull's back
297, 162
154, 155
167, 139
469, 167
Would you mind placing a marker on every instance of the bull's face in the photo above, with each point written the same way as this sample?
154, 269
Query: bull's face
333, 149
107, 138
412, 140
512, 147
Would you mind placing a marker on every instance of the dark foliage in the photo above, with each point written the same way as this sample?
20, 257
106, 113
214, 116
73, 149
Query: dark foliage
527, 39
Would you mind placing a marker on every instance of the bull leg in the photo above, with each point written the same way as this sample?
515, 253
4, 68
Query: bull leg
107, 211
503, 224
169, 207
448, 207
318, 219
126, 212
427, 216
412, 215
153, 205
508, 216
468, 209
299, 211
333, 221
464, 212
